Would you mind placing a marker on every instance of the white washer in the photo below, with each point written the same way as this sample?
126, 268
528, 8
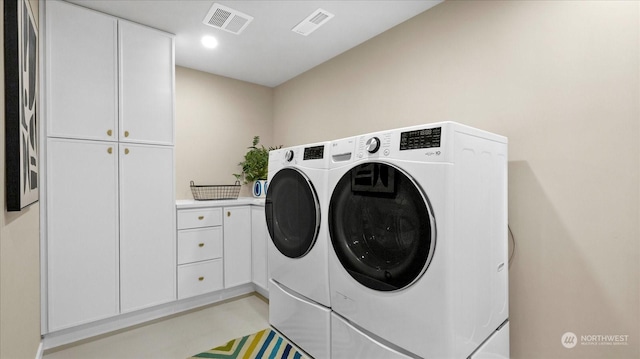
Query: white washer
418, 229
296, 212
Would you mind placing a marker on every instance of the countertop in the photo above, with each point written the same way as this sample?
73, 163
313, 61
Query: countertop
241, 201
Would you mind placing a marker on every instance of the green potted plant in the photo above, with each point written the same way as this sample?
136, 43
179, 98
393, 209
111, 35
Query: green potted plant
255, 167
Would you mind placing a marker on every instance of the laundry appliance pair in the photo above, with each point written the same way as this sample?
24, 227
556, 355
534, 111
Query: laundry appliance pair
412, 226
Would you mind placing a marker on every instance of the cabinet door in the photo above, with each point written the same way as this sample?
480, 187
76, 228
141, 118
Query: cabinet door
260, 272
146, 85
237, 246
81, 69
82, 237
147, 226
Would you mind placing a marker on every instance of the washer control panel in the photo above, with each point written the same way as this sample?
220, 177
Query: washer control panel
313, 153
288, 156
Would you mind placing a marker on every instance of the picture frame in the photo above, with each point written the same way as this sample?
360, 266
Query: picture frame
21, 105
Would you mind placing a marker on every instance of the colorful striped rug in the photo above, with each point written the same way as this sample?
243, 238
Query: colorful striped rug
265, 344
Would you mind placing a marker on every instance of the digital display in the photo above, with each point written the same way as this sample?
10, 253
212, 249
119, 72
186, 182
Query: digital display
427, 138
313, 153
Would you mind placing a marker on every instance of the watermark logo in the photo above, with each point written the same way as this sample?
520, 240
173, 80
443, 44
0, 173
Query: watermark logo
569, 340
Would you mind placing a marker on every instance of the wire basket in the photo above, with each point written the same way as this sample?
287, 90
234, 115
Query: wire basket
204, 193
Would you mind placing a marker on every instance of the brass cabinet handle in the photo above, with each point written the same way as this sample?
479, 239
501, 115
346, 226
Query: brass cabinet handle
201, 279
126, 133
109, 132
228, 214
110, 150
201, 217
201, 245
126, 151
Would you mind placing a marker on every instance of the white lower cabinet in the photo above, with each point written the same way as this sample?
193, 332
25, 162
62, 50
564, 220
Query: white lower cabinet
200, 251
259, 264
147, 226
199, 278
110, 229
82, 241
200, 244
237, 246
214, 248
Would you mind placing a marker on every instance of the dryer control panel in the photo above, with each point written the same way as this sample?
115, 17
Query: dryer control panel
426, 138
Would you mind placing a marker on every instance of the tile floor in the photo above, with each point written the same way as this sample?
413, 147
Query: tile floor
177, 337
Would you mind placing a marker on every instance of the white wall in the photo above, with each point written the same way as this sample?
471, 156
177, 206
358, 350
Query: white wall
216, 119
561, 80
19, 260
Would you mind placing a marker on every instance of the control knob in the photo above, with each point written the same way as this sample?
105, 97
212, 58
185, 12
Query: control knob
288, 156
373, 145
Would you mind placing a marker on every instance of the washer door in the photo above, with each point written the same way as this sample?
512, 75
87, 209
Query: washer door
381, 227
292, 212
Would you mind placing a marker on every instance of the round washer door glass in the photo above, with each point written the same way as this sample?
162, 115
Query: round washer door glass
381, 227
292, 212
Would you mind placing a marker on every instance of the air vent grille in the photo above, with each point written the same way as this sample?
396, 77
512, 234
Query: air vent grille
319, 18
312, 22
227, 19
219, 17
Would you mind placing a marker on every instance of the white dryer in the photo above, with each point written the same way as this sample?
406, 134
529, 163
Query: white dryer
418, 228
296, 212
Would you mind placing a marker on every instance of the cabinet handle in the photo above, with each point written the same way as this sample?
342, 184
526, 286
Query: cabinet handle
201, 245
228, 214
110, 150
201, 279
126, 151
201, 217
109, 132
126, 133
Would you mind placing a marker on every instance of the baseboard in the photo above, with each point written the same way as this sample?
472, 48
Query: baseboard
40, 351
263, 292
126, 321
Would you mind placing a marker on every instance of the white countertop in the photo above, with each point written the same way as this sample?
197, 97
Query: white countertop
241, 201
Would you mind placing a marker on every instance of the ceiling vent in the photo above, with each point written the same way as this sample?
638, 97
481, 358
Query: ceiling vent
227, 19
312, 22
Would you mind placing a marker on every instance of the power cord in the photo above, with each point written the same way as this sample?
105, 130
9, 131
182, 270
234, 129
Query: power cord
513, 247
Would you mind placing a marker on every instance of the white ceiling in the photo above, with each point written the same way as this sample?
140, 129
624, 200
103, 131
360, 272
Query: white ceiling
267, 52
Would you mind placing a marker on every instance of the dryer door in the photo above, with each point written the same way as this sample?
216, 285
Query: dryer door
292, 212
381, 226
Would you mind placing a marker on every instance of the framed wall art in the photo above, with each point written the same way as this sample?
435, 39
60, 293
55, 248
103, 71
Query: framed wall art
21, 100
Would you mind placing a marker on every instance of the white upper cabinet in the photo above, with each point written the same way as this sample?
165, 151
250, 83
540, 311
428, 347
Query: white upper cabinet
107, 79
82, 73
146, 85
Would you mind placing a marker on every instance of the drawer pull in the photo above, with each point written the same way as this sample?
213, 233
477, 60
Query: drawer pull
201, 217
201, 279
201, 245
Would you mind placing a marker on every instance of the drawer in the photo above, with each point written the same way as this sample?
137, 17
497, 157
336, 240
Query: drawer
199, 278
200, 217
199, 244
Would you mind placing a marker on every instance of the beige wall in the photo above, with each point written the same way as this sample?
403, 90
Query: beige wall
19, 262
216, 119
561, 80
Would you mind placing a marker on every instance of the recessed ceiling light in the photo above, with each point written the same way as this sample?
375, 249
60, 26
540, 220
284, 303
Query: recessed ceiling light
209, 42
